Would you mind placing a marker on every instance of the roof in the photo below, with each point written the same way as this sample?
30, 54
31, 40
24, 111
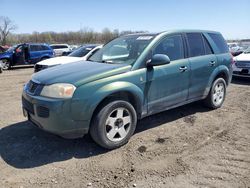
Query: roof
174, 31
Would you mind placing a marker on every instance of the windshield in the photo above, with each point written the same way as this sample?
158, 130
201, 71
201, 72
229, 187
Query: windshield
247, 51
11, 49
122, 50
80, 52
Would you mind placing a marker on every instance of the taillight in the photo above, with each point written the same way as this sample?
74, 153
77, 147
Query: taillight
232, 59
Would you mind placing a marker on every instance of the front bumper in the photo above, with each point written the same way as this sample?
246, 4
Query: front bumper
53, 115
241, 72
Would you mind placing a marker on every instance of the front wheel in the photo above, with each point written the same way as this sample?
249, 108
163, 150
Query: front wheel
6, 64
114, 124
217, 94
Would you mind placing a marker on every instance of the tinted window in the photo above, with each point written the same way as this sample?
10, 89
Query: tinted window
195, 43
45, 48
208, 49
35, 48
172, 47
58, 46
219, 42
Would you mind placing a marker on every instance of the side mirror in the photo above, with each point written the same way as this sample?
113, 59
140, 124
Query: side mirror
158, 59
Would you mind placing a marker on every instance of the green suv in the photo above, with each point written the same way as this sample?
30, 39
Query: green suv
131, 77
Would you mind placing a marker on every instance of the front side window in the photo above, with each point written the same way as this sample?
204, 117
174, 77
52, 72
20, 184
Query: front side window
195, 43
172, 47
123, 49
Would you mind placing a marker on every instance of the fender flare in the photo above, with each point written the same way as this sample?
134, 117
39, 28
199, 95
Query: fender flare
92, 102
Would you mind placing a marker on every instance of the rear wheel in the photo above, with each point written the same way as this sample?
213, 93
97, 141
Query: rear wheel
114, 124
6, 64
217, 94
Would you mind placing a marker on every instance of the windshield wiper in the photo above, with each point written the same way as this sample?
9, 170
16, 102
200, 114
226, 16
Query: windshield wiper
108, 62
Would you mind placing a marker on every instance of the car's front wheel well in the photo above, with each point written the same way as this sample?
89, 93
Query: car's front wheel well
121, 95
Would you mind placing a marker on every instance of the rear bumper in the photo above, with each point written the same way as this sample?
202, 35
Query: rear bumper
53, 115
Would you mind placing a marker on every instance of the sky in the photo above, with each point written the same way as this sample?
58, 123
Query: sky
230, 17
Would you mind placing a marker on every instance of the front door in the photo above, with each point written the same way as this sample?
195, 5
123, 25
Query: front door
19, 55
167, 85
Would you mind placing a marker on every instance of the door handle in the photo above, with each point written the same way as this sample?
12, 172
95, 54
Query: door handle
183, 68
212, 63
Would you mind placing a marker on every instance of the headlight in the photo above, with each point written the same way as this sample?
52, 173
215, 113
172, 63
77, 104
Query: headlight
61, 90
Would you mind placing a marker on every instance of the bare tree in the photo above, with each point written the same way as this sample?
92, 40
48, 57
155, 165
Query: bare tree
6, 26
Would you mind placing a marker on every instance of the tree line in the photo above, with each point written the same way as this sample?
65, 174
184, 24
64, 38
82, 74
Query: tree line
83, 36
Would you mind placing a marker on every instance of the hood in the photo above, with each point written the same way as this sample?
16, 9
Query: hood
59, 60
5, 54
79, 73
242, 57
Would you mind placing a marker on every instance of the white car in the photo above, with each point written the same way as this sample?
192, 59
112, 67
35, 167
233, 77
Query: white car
60, 48
81, 53
241, 65
234, 47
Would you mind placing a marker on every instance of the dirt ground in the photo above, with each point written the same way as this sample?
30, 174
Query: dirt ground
189, 146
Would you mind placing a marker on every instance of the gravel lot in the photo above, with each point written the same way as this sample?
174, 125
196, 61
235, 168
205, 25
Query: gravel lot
190, 146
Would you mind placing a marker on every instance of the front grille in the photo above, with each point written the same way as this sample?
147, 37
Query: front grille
243, 64
28, 105
42, 111
33, 88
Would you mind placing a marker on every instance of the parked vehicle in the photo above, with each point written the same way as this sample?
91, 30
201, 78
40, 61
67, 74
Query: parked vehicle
81, 54
241, 66
131, 77
3, 48
60, 48
28, 53
235, 49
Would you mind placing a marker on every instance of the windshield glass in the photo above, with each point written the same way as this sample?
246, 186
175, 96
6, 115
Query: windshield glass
247, 51
11, 49
80, 52
123, 49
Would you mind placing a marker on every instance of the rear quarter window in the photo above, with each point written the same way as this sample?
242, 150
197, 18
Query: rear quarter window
219, 42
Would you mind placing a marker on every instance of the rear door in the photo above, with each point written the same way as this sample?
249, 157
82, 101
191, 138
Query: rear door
202, 61
35, 52
168, 84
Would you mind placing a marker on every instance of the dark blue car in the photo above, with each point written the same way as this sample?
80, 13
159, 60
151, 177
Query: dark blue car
24, 54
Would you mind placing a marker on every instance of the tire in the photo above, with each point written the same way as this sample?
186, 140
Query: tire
216, 94
114, 124
6, 64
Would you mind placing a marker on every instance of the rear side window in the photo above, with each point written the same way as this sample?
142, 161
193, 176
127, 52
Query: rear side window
219, 42
58, 46
195, 43
34, 48
45, 48
172, 47
208, 49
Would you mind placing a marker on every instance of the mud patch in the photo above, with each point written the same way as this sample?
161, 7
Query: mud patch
142, 149
161, 140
